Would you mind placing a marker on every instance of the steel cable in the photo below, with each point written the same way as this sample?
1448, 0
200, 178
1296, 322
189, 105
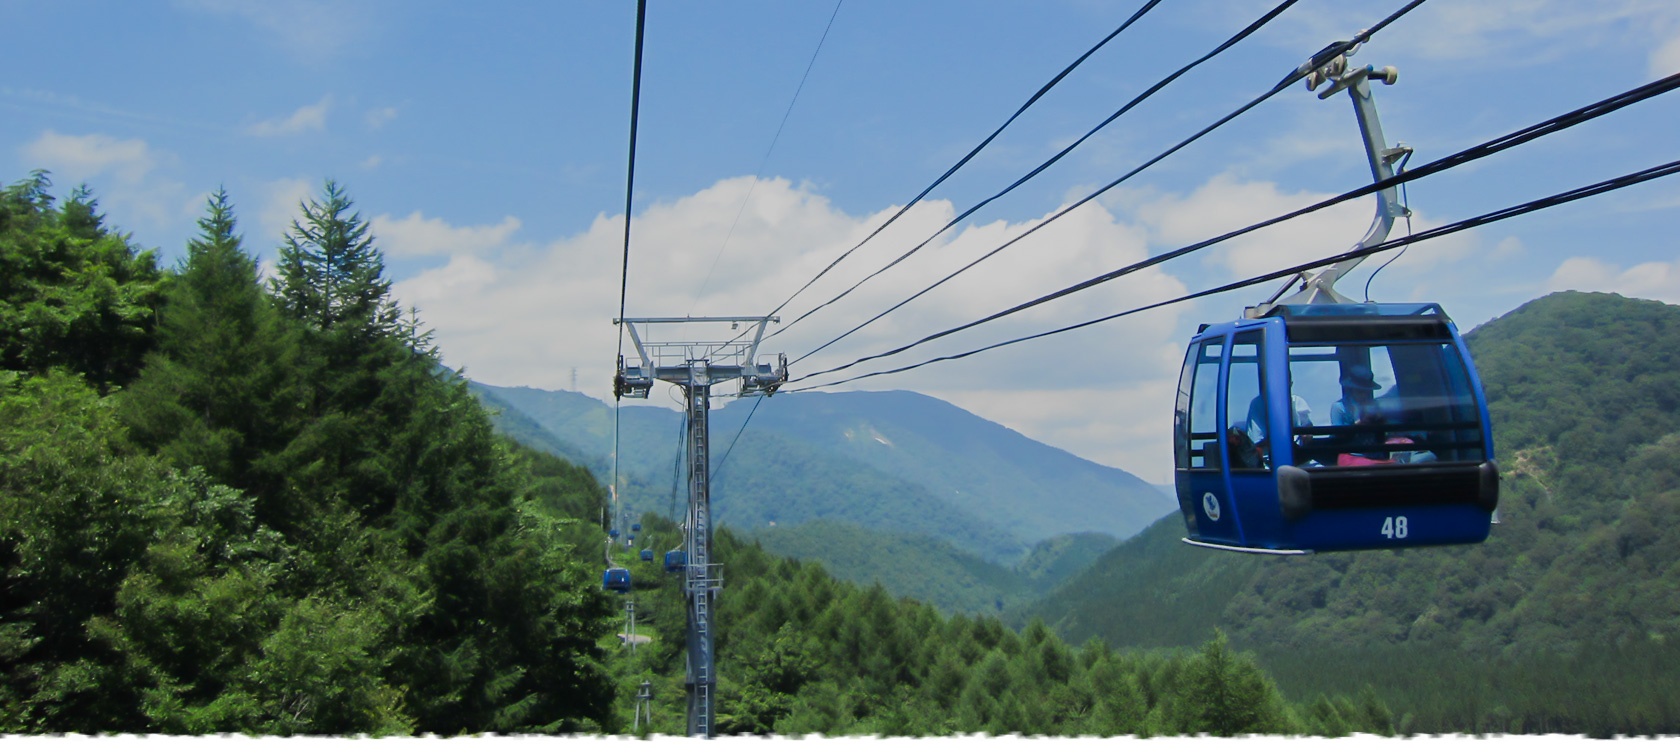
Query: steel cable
971, 154
1151, 91
1558, 199
1489, 148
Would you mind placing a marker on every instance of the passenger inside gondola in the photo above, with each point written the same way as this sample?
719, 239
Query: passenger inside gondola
1257, 424
1247, 440
1358, 404
1245, 454
1380, 419
1358, 408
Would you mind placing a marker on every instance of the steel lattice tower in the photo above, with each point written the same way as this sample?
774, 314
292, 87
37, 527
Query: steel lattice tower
696, 366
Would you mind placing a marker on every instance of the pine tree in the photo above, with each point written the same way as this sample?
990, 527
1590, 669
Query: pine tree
218, 390
1120, 703
1226, 694
331, 276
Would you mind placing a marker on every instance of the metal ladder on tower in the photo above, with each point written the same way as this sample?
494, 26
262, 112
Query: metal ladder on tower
703, 679
700, 536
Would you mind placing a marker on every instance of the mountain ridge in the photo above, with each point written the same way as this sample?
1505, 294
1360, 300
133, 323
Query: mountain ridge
944, 464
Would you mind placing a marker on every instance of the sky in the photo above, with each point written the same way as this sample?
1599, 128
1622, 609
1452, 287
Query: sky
486, 144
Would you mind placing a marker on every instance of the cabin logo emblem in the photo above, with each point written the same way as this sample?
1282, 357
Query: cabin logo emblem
1210, 506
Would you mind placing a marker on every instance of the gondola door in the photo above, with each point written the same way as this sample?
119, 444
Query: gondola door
1199, 445
1251, 416
1228, 413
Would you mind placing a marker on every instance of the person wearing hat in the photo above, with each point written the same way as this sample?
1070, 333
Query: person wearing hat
1358, 404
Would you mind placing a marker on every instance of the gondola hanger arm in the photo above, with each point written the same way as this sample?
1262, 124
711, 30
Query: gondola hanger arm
1319, 287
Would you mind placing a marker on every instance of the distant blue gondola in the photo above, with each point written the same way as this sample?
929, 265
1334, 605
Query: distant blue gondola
647, 555
635, 527
613, 533
616, 579
675, 561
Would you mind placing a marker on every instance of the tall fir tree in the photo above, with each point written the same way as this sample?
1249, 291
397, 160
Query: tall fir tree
218, 390
331, 276
503, 637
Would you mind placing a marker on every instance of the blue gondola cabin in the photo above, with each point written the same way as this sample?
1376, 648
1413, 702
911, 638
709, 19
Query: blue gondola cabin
1333, 427
616, 579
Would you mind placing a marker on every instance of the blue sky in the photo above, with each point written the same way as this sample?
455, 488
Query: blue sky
486, 142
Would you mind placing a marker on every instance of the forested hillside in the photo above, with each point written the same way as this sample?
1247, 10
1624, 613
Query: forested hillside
800, 652
231, 507
931, 571
1001, 476
768, 480
1575, 586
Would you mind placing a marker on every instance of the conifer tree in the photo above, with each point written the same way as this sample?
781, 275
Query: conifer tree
73, 294
331, 276
1120, 703
1226, 694
501, 634
216, 391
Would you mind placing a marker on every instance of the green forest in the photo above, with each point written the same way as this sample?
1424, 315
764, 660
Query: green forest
801, 652
232, 506
265, 506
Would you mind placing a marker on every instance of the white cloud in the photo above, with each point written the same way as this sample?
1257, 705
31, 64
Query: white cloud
1666, 60
1226, 203
194, 206
377, 118
1512, 32
1126, 425
464, 275
1508, 249
76, 107
373, 162
525, 315
76, 158
281, 204
307, 117
157, 202
135, 194
417, 235
1653, 280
